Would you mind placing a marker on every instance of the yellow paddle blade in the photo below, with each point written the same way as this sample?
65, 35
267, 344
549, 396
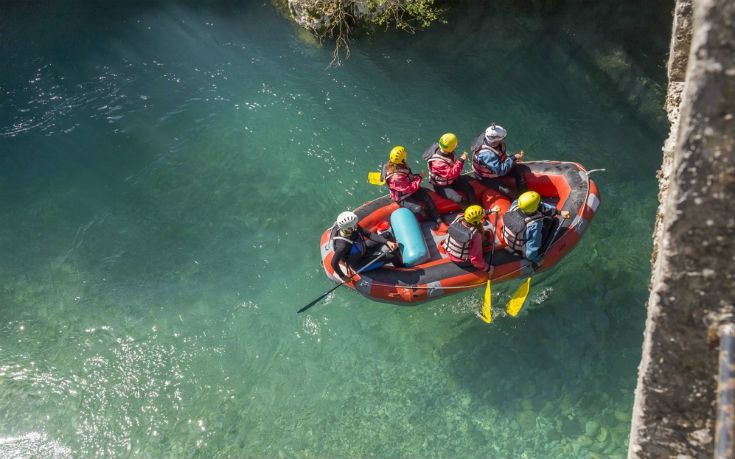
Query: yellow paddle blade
374, 179
487, 312
519, 297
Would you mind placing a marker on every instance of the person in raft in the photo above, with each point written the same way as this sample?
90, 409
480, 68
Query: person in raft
490, 161
523, 225
445, 172
464, 242
354, 245
405, 188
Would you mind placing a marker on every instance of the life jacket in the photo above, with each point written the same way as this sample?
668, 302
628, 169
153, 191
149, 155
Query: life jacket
435, 179
459, 238
397, 170
515, 222
355, 240
481, 169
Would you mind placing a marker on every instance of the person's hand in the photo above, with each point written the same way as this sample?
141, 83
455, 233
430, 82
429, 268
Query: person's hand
464, 156
392, 245
495, 209
490, 270
565, 214
519, 155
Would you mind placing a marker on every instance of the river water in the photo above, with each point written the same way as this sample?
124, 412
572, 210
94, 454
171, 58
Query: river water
166, 170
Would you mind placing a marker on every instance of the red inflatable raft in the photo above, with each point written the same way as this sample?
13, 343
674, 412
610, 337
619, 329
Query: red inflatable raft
564, 184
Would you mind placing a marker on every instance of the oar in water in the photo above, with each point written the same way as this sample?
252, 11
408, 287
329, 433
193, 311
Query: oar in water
487, 303
515, 304
340, 284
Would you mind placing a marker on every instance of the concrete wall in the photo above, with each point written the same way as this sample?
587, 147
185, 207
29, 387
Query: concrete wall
693, 281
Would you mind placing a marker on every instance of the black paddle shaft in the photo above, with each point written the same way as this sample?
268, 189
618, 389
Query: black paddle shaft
492, 239
556, 232
340, 284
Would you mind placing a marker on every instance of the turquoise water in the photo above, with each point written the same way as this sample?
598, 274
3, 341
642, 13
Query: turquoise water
167, 169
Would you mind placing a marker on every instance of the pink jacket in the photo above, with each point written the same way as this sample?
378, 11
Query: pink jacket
402, 183
446, 171
476, 254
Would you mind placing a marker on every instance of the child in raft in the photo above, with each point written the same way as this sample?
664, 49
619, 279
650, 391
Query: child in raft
405, 188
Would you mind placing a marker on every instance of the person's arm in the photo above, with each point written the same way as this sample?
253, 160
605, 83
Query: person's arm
341, 250
533, 242
404, 183
415, 184
443, 169
456, 168
477, 257
548, 210
375, 237
492, 161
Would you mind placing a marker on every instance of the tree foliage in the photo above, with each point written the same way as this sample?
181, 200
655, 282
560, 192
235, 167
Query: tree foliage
336, 19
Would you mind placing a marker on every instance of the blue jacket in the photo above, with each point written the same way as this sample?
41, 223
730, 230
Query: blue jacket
492, 161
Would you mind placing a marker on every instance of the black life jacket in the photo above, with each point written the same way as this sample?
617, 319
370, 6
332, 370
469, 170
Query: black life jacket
459, 237
481, 169
515, 222
354, 240
448, 159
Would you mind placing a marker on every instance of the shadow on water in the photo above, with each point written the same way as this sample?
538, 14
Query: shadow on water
551, 371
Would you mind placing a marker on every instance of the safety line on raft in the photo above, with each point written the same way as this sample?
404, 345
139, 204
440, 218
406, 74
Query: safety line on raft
419, 287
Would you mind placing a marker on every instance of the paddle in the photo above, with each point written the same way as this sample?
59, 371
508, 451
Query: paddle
515, 304
487, 311
340, 284
374, 178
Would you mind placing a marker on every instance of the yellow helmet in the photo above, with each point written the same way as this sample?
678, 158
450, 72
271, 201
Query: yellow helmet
474, 214
448, 142
397, 155
529, 201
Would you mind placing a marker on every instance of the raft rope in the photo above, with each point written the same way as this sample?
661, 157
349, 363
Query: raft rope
420, 287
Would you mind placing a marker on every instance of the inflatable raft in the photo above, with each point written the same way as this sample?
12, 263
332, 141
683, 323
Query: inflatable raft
429, 274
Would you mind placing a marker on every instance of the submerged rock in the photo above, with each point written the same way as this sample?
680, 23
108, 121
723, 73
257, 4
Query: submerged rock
527, 420
591, 428
570, 427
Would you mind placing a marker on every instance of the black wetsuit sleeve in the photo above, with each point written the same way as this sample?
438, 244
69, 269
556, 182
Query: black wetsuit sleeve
341, 251
548, 210
375, 237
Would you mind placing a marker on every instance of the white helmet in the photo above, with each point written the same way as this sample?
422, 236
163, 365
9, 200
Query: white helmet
346, 220
494, 134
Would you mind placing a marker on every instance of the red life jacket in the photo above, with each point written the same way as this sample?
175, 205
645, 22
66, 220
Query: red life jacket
481, 170
448, 159
398, 196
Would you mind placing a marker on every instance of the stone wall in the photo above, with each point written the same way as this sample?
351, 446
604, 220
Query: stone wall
693, 280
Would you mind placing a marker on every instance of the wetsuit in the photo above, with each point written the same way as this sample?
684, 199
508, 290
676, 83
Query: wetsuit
357, 249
